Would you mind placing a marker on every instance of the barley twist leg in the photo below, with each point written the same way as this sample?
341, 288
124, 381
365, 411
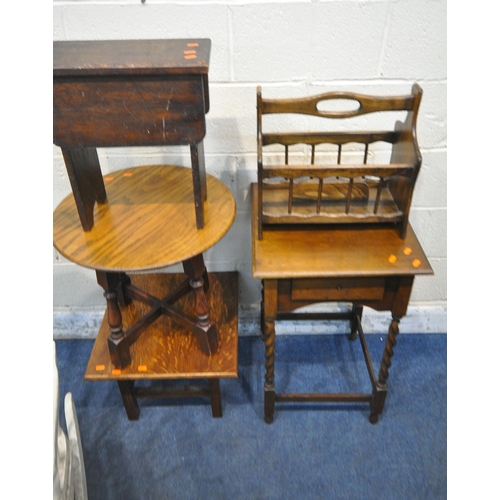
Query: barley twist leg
381, 389
383, 373
269, 388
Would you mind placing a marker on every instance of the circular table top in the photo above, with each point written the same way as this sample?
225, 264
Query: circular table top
148, 221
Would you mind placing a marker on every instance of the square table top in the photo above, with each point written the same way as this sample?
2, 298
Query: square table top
131, 57
167, 350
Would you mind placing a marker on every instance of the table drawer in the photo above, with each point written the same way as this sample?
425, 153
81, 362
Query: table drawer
338, 289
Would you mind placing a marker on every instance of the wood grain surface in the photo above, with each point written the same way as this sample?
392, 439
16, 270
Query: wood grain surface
166, 350
300, 251
111, 57
148, 221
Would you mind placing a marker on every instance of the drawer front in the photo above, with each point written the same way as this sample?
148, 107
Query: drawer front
338, 289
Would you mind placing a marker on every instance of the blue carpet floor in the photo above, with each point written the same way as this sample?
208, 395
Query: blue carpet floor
176, 450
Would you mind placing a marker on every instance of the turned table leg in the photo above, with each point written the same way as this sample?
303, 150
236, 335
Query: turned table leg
118, 348
196, 271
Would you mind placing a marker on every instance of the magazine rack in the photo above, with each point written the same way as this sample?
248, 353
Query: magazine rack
340, 191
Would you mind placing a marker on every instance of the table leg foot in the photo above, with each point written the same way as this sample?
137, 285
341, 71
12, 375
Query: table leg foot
215, 398
207, 339
119, 352
378, 402
213, 338
129, 400
269, 403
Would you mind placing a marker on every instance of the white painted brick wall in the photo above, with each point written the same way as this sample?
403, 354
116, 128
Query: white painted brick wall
290, 48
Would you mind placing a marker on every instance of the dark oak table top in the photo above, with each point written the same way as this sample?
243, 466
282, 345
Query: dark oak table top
122, 57
147, 222
345, 251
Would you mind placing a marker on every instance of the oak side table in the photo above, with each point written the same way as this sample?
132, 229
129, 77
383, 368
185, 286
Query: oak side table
166, 362
300, 266
127, 93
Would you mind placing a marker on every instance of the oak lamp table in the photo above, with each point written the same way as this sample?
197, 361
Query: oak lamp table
147, 224
365, 266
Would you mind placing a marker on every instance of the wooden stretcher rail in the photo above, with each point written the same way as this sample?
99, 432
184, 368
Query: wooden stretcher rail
381, 170
329, 138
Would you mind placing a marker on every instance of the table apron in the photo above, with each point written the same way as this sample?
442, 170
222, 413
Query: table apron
118, 112
382, 293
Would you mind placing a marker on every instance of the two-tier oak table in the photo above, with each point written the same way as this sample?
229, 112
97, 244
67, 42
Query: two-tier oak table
146, 225
300, 266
